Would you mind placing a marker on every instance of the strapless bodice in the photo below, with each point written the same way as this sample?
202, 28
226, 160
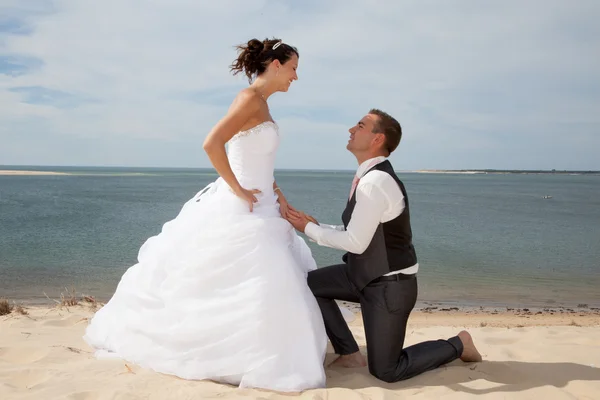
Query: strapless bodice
252, 153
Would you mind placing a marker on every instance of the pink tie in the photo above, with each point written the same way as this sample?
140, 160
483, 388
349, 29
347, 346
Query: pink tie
354, 183
356, 178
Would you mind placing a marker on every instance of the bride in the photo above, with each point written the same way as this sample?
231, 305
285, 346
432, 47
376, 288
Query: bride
221, 294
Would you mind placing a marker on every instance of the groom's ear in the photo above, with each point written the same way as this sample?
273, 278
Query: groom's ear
379, 140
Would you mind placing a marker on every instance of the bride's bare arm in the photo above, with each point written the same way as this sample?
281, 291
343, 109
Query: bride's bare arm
246, 105
283, 204
286, 209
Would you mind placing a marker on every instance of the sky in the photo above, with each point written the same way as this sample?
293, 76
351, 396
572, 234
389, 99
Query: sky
499, 85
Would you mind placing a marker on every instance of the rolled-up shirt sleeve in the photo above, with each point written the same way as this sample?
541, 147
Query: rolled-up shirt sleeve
335, 227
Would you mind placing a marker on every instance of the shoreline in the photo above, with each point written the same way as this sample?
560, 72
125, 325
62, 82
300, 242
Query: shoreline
49, 297
504, 317
419, 318
424, 313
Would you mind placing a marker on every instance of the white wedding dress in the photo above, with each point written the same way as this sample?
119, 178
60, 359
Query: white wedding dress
221, 292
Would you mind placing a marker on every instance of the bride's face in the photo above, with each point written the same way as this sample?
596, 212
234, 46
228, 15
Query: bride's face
286, 73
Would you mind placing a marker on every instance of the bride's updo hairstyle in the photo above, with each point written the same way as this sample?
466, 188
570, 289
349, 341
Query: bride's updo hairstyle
255, 56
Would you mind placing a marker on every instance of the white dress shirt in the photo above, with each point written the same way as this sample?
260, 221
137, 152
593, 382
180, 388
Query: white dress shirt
378, 200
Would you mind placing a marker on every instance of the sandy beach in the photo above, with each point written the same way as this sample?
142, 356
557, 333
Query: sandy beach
527, 354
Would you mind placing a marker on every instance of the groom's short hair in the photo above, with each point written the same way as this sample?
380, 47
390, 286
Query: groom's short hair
391, 128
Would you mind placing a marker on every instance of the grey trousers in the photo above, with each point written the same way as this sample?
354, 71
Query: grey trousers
386, 306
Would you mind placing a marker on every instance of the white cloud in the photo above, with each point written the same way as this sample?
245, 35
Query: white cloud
472, 83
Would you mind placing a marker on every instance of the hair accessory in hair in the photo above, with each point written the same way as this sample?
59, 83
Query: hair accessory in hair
276, 45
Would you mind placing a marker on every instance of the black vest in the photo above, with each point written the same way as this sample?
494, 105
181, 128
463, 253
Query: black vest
391, 248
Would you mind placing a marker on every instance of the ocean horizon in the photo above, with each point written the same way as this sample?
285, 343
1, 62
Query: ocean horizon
95, 168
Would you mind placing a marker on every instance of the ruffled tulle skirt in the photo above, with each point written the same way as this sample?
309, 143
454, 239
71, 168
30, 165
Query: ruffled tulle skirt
221, 294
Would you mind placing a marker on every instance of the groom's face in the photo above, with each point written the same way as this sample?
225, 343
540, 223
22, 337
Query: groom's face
361, 135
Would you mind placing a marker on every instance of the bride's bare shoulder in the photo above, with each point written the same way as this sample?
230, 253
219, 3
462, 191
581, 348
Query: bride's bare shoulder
247, 98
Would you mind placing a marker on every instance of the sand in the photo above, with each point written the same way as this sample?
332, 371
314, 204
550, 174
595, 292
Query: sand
526, 356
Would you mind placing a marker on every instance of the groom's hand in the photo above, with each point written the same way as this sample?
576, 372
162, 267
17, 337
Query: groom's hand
299, 221
305, 215
311, 219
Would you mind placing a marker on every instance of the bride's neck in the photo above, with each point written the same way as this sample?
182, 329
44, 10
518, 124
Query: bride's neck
264, 87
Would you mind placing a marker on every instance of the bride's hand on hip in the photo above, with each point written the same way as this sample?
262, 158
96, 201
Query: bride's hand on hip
248, 196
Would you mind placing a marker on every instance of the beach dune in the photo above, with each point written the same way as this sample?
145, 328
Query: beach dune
43, 356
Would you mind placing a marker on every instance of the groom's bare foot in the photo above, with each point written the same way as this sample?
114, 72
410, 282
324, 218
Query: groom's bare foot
354, 360
470, 353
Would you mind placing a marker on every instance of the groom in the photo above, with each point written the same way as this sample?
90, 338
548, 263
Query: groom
380, 266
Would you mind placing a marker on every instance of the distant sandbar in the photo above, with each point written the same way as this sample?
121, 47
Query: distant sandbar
21, 172
440, 171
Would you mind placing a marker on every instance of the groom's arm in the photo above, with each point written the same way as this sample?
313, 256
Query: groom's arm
326, 226
334, 227
376, 196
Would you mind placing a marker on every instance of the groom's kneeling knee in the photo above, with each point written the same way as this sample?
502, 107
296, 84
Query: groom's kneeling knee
386, 373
